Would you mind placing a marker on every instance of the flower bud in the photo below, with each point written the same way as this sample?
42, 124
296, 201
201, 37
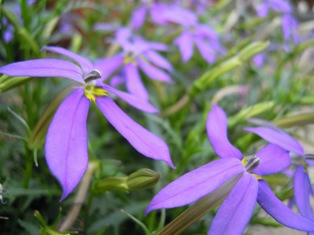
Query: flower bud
143, 178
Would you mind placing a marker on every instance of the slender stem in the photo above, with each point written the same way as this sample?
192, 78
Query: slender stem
70, 218
28, 167
176, 107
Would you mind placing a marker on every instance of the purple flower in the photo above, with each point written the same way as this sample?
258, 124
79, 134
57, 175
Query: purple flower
236, 210
276, 5
203, 36
139, 54
289, 23
290, 28
66, 141
158, 12
259, 59
302, 184
205, 39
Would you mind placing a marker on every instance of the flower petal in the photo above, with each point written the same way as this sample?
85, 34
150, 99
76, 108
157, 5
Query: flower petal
117, 80
279, 211
85, 64
236, 210
196, 184
138, 17
273, 159
133, 100
216, 127
280, 5
44, 68
185, 44
276, 136
153, 72
141, 139
290, 28
302, 190
158, 60
66, 141
134, 83
107, 66
262, 9
206, 50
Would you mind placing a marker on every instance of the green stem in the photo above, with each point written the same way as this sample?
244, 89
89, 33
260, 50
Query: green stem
28, 167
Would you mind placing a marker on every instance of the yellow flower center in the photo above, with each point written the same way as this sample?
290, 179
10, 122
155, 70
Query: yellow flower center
129, 59
245, 162
91, 92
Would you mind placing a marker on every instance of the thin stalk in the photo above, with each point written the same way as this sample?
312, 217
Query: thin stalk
73, 213
28, 167
176, 107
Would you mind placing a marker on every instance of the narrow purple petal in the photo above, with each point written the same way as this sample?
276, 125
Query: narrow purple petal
66, 141
278, 137
262, 9
157, 13
206, 31
206, 50
158, 60
117, 80
141, 139
196, 184
134, 83
290, 27
185, 44
133, 100
259, 59
236, 210
216, 126
138, 17
85, 64
280, 6
107, 66
279, 211
44, 68
302, 190
153, 72
273, 159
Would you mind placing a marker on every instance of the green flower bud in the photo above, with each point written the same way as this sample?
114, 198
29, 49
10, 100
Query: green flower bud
143, 178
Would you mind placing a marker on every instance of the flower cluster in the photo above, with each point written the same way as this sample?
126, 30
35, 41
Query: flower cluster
122, 76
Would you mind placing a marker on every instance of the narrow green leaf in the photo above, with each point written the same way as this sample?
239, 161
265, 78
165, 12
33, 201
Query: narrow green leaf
250, 111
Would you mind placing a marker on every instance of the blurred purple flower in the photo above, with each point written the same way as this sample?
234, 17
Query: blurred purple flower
205, 39
203, 36
259, 59
8, 32
157, 11
289, 23
140, 54
277, 5
66, 141
236, 210
290, 28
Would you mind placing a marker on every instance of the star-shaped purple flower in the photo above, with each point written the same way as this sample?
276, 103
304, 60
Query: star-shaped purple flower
140, 54
237, 208
302, 185
157, 11
66, 141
